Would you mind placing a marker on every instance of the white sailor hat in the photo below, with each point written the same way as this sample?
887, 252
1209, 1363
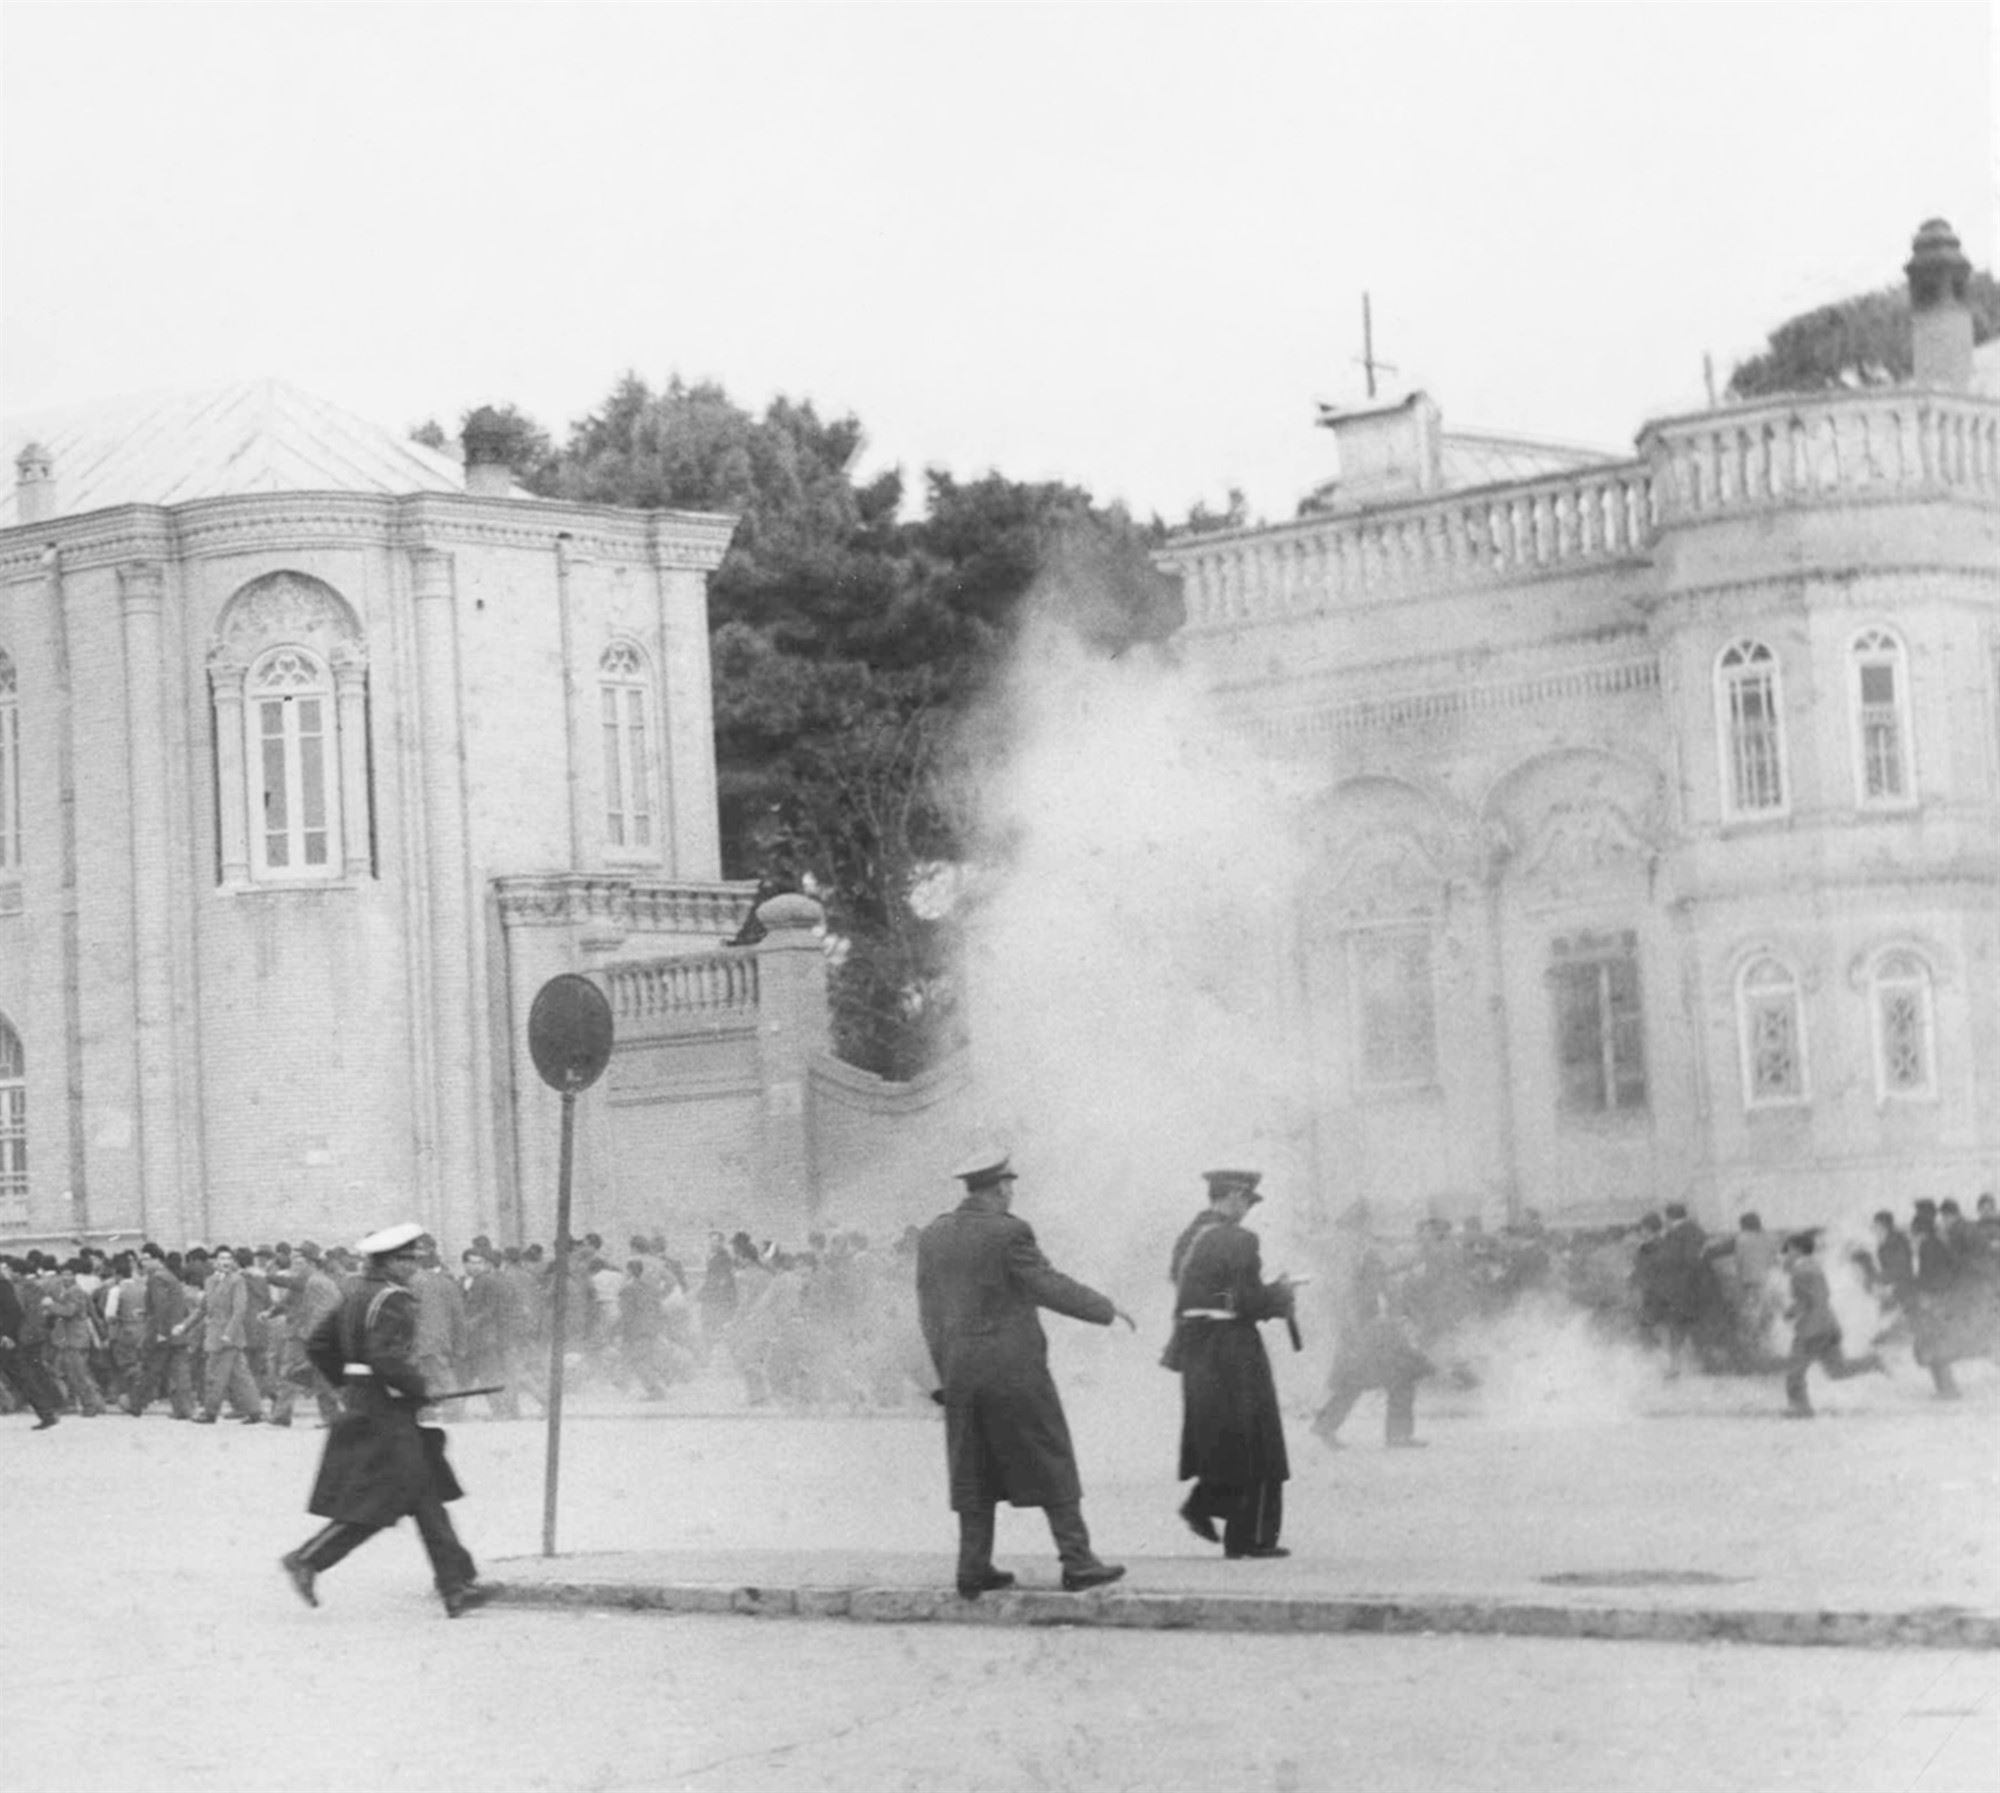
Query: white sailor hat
390, 1240
983, 1167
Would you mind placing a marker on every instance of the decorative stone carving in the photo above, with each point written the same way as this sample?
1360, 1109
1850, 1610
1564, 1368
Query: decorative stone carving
1581, 845
287, 607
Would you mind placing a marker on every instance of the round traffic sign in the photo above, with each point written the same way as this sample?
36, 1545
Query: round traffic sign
569, 1032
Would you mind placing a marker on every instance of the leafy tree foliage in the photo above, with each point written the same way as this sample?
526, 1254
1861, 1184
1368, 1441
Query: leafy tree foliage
849, 648
1858, 341
503, 433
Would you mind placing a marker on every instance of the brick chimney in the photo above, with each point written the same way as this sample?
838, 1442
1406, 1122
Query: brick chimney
34, 485
484, 439
1940, 319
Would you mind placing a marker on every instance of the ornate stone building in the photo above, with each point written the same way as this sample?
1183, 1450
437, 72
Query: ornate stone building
1659, 813
318, 754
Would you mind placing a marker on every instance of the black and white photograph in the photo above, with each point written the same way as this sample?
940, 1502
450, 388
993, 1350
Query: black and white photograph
1000, 896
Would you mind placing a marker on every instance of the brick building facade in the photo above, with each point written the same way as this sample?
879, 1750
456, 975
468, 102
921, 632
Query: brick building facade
318, 754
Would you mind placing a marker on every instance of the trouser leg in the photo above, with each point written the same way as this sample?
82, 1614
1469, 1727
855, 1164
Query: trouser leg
180, 1384
1399, 1423
244, 1394
1796, 1399
1256, 1516
73, 1373
1942, 1378
332, 1542
451, 1562
975, 1544
22, 1372
1341, 1394
1071, 1535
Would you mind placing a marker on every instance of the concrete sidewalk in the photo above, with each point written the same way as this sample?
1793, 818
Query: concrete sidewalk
1293, 1596
1670, 1513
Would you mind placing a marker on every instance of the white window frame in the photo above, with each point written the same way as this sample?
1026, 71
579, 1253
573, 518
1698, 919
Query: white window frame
1741, 664
13, 1128
1877, 647
1763, 984
1367, 946
628, 729
1899, 970
299, 785
10, 768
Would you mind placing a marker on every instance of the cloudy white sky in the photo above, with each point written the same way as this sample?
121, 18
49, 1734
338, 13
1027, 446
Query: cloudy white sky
1123, 245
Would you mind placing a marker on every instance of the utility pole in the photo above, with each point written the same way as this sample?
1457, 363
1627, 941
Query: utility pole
1367, 356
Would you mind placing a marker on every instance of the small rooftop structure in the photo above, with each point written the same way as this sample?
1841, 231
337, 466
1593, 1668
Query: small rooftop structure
170, 448
1392, 453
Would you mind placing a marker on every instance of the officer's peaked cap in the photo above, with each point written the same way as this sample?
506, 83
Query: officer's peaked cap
984, 1167
1232, 1182
390, 1240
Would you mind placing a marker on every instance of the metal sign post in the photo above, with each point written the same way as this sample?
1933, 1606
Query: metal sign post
569, 1038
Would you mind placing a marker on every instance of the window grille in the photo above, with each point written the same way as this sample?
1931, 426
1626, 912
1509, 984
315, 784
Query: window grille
1904, 1041
1774, 1069
1754, 760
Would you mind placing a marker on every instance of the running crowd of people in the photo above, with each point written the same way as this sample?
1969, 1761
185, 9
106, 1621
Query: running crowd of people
219, 1330
1710, 1302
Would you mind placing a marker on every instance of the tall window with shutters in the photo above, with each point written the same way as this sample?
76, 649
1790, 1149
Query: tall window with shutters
294, 760
13, 1129
1395, 1028
1880, 686
624, 697
1748, 710
1600, 1024
10, 768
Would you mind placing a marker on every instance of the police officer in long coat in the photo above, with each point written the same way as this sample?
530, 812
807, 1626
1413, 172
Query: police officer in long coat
980, 1278
1232, 1433
379, 1464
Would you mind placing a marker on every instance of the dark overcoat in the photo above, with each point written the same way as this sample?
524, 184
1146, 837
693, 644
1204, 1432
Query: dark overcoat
379, 1463
1232, 1434
980, 1278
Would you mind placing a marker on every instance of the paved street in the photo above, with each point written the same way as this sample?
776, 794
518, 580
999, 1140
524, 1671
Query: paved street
139, 1581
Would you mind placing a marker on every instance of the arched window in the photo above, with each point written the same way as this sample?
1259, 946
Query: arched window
1899, 992
295, 761
13, 1128
289, 680
1771, 1027
623, 688
1880, 686
1753, 745
10, 768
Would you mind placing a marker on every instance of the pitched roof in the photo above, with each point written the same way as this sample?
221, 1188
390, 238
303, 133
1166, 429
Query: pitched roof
255, 436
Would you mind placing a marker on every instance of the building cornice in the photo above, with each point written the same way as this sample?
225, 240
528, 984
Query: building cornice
693, 541
1343, 720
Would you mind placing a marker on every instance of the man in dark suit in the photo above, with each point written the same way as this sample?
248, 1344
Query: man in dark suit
980, 1278
1232, 1433
20, 1357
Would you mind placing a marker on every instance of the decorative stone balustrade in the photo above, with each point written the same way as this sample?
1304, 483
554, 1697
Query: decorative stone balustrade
1843, 446
697, 987
1839, 447
1498, 534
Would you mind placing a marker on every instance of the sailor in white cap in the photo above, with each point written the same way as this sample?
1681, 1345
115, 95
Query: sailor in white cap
980, 1278
379, 1463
